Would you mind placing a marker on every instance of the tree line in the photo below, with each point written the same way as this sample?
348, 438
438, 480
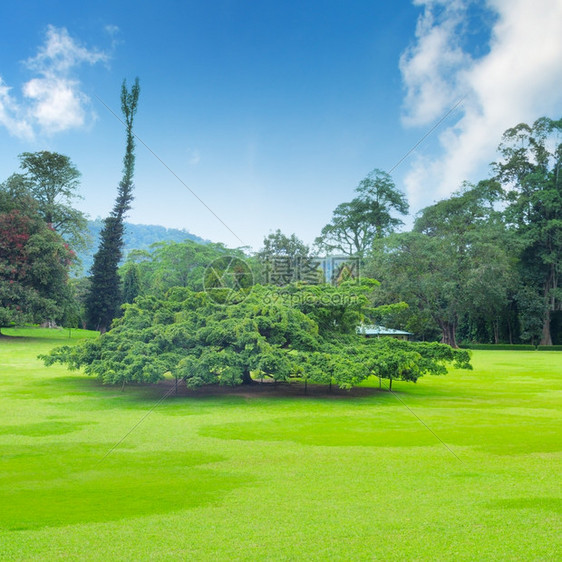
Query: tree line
40, 233
482, 265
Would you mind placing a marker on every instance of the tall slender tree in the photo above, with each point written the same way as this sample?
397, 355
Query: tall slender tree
105, 299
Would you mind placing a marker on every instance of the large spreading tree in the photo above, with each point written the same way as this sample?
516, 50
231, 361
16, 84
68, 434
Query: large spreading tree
284, 333
105, 298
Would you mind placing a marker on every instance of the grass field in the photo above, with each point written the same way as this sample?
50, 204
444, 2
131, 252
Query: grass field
281, 478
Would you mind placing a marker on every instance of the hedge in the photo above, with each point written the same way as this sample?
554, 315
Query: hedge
500, 346
549, 348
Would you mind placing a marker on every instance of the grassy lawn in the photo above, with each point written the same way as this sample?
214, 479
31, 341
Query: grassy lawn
282, 478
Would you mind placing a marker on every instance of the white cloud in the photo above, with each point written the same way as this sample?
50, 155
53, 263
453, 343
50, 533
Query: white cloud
111, 29
430, 68
61, 53
517, 80
52, 100
10, 114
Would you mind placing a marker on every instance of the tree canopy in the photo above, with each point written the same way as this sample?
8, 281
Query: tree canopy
268, 334
34, 261
174, 264
455, 263
53, 181
369, 216
531, 172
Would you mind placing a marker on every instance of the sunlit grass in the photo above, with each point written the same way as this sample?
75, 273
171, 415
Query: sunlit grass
463, 467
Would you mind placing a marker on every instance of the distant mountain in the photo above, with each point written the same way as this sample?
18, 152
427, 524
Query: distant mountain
137, 237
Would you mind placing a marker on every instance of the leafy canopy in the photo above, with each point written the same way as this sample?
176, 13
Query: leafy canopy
369, 216
53, 180
297, 332
34, 262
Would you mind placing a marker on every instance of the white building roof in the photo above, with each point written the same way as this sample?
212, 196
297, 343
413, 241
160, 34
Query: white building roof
374, 330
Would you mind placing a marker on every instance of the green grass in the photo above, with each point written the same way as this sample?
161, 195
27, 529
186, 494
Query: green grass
248, 478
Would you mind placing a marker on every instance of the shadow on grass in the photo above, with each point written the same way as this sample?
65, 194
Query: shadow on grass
543, 504
271, 390
43, 429
63, 484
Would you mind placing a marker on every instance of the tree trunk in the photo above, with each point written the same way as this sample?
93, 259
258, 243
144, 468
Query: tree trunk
550, 283
448, 334
496, 328
546, 338
247, 378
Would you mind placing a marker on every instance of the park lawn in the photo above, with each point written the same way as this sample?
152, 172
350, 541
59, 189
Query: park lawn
463, 467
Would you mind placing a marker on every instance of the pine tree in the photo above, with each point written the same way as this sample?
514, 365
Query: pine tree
104, 300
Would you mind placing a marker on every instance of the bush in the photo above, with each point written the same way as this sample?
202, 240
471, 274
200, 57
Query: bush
549, 348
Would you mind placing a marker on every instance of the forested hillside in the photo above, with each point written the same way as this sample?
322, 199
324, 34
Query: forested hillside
137, 237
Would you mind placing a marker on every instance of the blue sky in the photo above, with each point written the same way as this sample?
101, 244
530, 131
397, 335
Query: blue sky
270, 111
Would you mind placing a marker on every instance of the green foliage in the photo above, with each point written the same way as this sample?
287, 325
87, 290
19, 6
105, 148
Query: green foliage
34, 262
380, 193
304, 333
454, 265
53, 182
549, 348
175, 264
131, 283
499, 346
104, 300
337, 310
369, 216
104, 297
278, 244
531, 172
